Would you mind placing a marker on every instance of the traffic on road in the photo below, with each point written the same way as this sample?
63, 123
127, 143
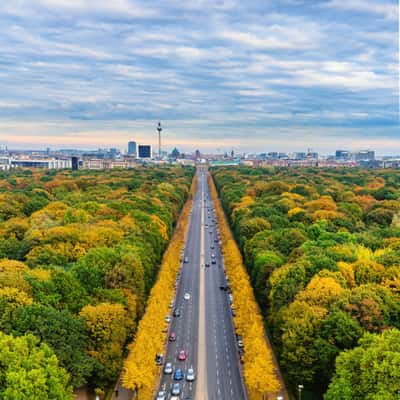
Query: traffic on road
201, 344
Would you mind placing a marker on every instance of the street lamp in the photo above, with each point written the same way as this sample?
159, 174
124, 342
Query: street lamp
300, 387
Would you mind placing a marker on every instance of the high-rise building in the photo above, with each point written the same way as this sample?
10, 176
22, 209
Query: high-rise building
75, 163
144, 151
342, 154
364, 155
132, 149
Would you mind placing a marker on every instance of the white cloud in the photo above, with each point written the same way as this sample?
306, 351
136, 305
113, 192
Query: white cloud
387, 10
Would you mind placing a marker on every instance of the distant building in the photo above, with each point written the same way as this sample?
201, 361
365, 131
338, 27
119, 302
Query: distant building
51, 163
313, 155
113, 152
132, 149
144, 151
75, 163
364, 155
342, 155
175, 153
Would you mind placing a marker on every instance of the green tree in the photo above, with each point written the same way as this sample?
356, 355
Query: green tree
29, 370
369, 371
63, 332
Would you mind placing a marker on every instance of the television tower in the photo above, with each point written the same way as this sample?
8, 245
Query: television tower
159, 139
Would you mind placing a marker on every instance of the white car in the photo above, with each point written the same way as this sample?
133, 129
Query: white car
167, 319
190, 377
162, 395
187, 296
168, 368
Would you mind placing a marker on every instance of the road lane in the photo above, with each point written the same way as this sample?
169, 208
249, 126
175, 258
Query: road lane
204, 329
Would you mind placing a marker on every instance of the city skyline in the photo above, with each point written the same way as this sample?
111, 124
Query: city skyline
284, 76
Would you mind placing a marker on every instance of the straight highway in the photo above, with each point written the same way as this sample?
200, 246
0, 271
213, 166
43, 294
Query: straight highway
202, 327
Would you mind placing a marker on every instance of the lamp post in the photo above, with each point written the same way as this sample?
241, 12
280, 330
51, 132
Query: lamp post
300, 387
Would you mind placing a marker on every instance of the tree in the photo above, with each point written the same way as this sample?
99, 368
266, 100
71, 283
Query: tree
29, 370
369, 371
107, 326
63, 333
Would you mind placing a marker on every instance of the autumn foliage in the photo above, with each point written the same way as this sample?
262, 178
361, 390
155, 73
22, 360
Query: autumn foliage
79, 254
322, 249
259, 371
140, 370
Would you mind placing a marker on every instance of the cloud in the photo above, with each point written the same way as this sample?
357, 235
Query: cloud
388, 10
213, 70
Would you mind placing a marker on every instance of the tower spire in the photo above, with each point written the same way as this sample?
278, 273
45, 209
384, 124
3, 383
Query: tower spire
159, 129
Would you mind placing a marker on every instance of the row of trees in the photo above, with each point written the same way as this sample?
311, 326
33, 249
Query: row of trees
140, 369
79, 253
322, 248
259, 370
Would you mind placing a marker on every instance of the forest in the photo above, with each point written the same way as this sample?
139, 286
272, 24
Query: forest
79, 254
322, 250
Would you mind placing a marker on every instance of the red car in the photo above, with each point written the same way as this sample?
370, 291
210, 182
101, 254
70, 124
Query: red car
182, 355
172, 337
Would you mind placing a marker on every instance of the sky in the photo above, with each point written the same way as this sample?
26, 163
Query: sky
253, 76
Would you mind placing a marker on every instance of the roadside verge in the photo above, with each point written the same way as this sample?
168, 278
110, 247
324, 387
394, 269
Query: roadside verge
140, 372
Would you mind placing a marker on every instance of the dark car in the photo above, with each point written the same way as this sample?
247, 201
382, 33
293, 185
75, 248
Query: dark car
159, 359
177, 312
172, 337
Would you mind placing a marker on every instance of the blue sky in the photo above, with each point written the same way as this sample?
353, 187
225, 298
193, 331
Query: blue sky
220, 74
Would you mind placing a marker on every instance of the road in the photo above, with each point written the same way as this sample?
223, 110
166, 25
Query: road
204, 328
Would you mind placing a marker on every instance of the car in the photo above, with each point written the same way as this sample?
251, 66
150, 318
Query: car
186, 260
212, 246
168, 319
159, 359
171, 304
168, 368
172, 337
178, 375
240, 343
207, 265
174, 398
177, 312
187, 296
176, 389
212, 255
215, 240
162, 395
182, 355
213, 261
190, 377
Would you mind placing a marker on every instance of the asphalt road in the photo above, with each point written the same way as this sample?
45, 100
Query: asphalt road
219, 373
